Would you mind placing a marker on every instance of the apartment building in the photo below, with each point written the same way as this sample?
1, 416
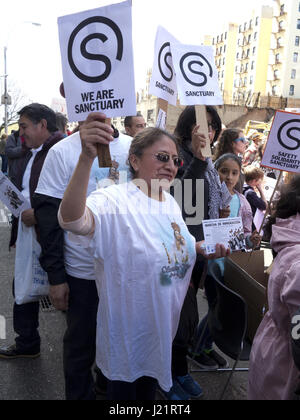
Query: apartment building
261, 56
284, 62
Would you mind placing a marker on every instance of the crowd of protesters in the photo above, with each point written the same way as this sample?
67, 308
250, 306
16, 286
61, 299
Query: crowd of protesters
128, 280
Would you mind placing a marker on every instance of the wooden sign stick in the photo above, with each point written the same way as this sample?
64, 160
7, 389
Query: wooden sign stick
201, 119
104, 157
163, 105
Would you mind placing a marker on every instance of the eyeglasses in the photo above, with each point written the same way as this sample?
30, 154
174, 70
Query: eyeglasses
242, 139
164, 157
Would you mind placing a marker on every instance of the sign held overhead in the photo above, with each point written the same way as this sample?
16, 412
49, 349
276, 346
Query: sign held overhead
96, 52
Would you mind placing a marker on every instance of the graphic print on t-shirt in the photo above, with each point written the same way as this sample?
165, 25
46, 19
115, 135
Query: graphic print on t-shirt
177, 257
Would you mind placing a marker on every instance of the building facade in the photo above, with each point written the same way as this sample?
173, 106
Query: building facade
258, 59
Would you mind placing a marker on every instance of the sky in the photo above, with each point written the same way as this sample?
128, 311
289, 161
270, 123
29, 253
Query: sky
33, 52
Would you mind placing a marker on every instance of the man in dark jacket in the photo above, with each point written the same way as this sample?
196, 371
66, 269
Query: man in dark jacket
38, 128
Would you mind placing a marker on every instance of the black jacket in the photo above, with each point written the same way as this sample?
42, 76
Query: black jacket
193, 169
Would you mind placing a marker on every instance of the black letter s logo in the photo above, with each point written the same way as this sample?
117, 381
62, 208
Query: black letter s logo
90, 56
190, 68
166, 56
290, 132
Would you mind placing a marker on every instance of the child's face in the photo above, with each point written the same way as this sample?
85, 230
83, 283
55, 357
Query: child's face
229, 173
258, 182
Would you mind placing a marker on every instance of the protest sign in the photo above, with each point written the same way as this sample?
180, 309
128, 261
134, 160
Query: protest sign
11, 197
283, 146
197, 81
228, 232
96, 54
196, 74
268, 187
163, 80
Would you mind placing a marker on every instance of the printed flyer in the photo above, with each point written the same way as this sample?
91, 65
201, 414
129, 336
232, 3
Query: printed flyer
11, 196
228, 232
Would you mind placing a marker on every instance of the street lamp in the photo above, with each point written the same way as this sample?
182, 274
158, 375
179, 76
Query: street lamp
6, 99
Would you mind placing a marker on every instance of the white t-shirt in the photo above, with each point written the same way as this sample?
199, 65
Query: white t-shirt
142, 276
57, 171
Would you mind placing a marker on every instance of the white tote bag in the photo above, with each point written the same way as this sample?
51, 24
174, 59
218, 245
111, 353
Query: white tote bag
31, 281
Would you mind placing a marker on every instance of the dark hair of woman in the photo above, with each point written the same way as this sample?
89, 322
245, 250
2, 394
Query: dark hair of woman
187, 120
226, 140
287, 206
228, 156
145, 139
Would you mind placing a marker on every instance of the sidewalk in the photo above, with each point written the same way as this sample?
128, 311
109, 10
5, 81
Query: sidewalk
42, 379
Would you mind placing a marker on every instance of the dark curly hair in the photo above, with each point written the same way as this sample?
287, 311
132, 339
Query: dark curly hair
226, 141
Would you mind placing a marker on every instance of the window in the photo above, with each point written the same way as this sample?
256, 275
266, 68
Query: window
293, 74
255, 35
298, 23
292, 90
252, 65
297, 41
254, 50
295, 58
257, 21
251, 80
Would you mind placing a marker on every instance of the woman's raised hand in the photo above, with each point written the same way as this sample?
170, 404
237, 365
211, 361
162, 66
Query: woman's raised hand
94, 131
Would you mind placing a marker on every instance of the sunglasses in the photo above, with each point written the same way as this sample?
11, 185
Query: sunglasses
242, 139
164, 157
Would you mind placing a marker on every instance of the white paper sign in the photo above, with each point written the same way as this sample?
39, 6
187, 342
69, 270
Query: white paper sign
283, 147
163, 81
258, 219
268, 186
97, 62
161, 120
228, 232
11, 197
196, 74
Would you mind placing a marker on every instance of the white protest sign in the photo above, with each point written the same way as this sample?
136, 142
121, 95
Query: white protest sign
283, 146
97, 61
228, 232
196, 74
11, 196
268, 186
163, 80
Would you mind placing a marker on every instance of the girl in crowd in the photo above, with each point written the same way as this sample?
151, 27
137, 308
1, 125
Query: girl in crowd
232, 140
273, 374
132, 231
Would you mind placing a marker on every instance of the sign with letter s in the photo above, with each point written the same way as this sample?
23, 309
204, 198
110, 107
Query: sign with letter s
196, 75
283, 147
97, 61
163, 81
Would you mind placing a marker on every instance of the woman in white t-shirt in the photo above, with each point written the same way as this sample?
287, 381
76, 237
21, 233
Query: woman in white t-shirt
130, 230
